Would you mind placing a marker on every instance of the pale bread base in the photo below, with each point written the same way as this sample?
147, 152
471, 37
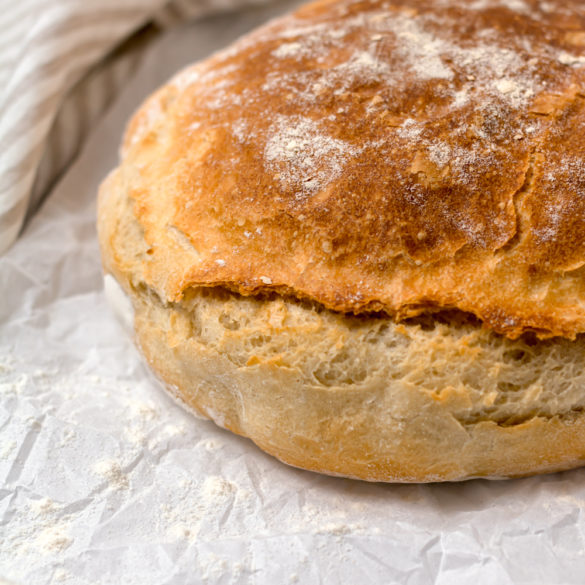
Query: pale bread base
364, 397
361, 398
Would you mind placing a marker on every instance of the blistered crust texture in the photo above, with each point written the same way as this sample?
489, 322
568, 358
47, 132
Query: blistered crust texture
404, 156
356, 237
432, 399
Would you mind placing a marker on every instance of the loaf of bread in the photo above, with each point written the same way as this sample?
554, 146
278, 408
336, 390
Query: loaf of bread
357, 237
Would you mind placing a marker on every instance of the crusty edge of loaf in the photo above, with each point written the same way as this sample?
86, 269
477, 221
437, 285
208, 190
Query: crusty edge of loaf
284, 417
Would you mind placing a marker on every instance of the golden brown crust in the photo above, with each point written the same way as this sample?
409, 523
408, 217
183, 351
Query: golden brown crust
440, 398
400, 157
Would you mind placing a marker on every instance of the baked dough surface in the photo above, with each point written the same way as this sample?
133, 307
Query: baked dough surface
403, 157
356, 236
431, 399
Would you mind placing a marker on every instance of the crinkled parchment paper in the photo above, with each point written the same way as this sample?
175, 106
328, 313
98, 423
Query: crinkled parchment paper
106, 481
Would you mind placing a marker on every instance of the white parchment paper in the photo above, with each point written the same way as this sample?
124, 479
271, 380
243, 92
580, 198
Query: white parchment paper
105, 481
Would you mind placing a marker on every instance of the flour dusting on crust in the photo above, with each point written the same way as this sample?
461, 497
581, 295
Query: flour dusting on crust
397, 154
303, 156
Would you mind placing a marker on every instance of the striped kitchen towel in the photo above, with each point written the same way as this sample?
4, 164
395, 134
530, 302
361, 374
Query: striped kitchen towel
61, 62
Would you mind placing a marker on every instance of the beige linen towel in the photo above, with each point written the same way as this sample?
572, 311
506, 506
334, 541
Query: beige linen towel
58, 71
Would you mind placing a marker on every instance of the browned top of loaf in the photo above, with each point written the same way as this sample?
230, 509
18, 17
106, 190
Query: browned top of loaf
399, 156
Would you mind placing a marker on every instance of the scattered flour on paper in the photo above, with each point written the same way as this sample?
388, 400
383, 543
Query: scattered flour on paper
40, 528
198, 502
111, 470
212, 444
216, 489
61, 574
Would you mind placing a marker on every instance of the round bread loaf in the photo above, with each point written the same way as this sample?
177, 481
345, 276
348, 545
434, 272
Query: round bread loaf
357, 237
